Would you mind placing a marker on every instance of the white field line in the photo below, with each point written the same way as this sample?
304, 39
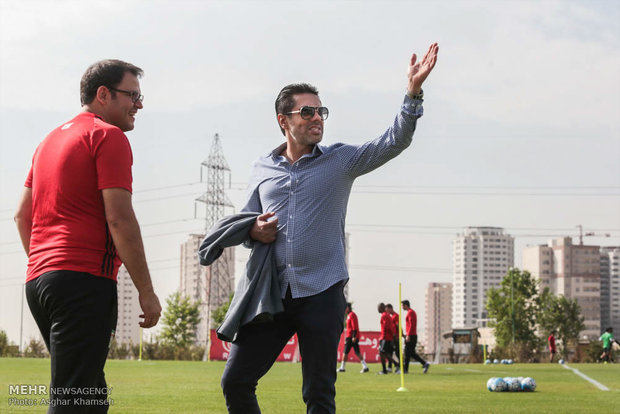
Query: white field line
585, 377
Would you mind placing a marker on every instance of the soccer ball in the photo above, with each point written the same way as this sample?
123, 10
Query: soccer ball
528, 384
512, 384
487, 362
496, 361
490, 383
561, 361
510, 362
496, 385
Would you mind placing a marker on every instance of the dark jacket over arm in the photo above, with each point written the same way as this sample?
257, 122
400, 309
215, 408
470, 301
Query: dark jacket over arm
257, 296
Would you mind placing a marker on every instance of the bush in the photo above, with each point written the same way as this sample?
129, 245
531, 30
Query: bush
519, 352
36, 349
592, 352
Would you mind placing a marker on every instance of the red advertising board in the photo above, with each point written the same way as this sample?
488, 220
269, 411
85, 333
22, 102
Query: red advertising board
369, 347
220, 350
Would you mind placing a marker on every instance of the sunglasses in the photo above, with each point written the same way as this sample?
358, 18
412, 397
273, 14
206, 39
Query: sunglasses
307, 112
133, 95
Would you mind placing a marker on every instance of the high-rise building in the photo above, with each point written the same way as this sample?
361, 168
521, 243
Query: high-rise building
201, 285
438, 315
610, 287
572, 271
482, 256
127, 324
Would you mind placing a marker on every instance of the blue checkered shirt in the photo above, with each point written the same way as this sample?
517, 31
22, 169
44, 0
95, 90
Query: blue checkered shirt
310, 200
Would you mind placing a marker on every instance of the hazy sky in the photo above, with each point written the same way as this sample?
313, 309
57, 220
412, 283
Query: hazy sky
521, 127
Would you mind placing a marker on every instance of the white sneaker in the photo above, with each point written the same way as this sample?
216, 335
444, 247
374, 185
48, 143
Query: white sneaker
365, 369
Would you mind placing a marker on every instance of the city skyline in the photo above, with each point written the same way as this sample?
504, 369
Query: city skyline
509, 138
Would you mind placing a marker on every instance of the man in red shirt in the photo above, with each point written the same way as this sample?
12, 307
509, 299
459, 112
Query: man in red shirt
411, 338
351, 339
552, 348
77, 225
385, 340
395, 341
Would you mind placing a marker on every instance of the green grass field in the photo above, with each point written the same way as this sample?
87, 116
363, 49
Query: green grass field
193, 387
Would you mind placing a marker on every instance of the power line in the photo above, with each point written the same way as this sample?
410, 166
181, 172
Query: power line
387, 228
483, 190
168, 222
166, 187
391, 268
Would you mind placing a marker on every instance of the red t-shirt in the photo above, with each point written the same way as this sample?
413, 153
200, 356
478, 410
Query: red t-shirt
411, 323
352, 325
387, 327
394, 317
69, 169
551, 341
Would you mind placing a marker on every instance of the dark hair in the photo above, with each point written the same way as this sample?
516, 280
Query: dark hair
108, 73
349, 306
381, 307
406, 302
285, 102
389, 305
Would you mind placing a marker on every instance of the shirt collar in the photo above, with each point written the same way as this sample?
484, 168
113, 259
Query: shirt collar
275, 153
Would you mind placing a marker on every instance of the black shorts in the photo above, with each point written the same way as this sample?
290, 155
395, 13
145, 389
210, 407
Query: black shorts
348, 344
386, 347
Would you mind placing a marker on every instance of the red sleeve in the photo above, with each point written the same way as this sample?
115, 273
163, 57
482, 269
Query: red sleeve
113, 159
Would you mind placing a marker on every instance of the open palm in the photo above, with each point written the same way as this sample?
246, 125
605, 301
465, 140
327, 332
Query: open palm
419, 71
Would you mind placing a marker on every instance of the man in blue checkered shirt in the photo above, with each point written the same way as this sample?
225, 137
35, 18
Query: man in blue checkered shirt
302, 189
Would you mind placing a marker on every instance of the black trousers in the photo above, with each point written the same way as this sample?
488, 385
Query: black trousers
318, 321
411, 353
76, 313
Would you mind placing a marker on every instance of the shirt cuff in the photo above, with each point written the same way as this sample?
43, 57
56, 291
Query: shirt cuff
413, 107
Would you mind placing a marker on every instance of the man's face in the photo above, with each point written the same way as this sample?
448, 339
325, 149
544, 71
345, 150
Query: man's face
306, 132
120, 110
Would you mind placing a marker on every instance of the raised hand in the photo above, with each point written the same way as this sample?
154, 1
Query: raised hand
419, 71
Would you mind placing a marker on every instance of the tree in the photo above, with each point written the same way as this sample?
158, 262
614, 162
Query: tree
4, 343
562, 315
180, 321
513, 308
219, 313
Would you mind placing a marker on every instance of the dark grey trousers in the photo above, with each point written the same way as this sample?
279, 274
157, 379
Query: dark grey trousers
318, 321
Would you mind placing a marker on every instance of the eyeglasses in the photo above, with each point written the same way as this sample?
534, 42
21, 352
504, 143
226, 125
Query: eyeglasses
134, 95
307, 112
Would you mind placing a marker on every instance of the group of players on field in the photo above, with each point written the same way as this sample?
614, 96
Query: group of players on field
389, 344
